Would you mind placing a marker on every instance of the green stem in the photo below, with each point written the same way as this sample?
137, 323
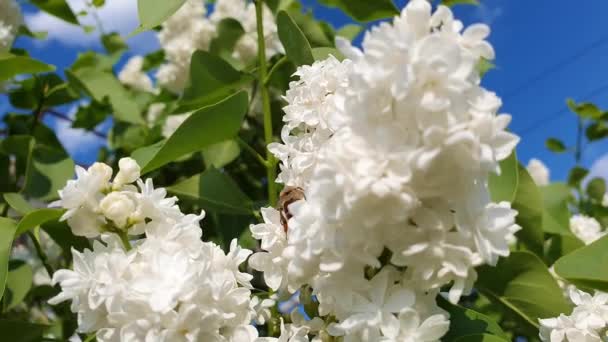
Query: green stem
124, 237
252, 151
579, 142
263, 74
41, 254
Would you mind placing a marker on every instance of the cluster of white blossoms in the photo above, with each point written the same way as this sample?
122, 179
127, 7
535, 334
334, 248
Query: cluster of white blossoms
189, 29
391, 150
132, 75
170, 286
10, 20
539, 172
588, 322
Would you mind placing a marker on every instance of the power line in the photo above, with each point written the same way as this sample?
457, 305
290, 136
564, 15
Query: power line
557, 114
556, 67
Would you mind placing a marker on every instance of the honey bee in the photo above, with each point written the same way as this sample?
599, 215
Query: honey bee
289, 195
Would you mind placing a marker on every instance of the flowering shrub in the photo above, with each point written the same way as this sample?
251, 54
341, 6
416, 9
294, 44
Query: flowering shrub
348, 192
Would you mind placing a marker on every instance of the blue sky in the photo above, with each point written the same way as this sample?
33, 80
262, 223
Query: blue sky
547, 51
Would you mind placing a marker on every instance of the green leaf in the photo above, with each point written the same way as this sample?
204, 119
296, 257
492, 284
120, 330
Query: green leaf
555, 145
99, 3
503, 187
90, 115
596, 131
481, 338
11, 66
57, 8
586, 267
484, 66
61, 233
523, 285
18, 203
577, 174
464, 322
221, 154
229, 31
20, 331
113, 42
365, 10
153, 13
451, 3
215, 191
296, 45
101, 85
37, 217
47, 172
7, 234
585, 110
560, 245
202, 129
556, 216
316, 31
322, 53
529, 204
350, 31
18, 283
211, 80
596, 189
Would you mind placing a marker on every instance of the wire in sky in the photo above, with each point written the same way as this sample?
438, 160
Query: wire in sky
558, 114
556, 67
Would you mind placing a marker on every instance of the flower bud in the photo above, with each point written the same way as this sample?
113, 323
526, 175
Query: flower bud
102, 172
129, 172
117, 207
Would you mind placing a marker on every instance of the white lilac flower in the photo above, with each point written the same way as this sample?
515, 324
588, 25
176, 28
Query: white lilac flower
563, 329
95, 204
393, 149
171, 286
539, 172
586, 323
132, 75
587, 229
10, 20
307, 119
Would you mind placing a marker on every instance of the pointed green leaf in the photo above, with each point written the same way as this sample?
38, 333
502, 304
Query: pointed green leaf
503, 187
215, 191
37, 217
529, 205
212, 79
153, 13
296, 45
221, 154
365, 10
465, 322
586, 267
18, 282
8, 228
577, 174
555, 145
57, 8
101, 85
202, 129
585, 110
47, 172
556, 216
11, 66
523, 285
596, 189
18, 203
